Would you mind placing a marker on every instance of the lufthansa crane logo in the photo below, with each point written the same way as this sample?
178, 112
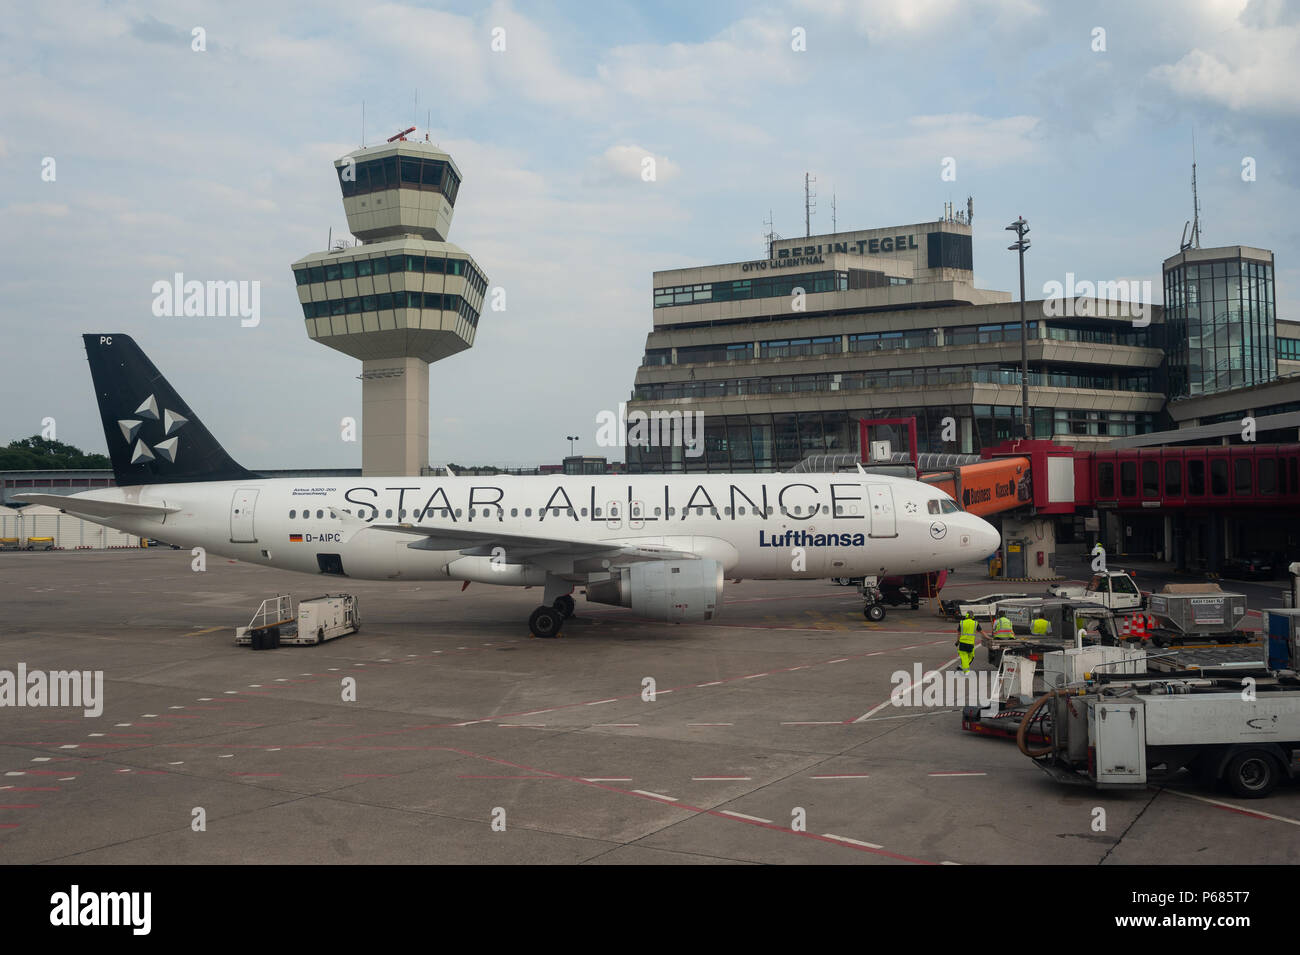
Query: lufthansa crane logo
938, 530
170, 422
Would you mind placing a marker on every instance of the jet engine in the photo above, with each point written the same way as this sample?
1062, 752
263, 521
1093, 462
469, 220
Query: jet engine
673, 590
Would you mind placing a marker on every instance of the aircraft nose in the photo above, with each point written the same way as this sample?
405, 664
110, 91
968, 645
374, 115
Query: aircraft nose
987, 536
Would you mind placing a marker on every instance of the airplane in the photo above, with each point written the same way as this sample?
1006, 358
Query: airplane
659, 544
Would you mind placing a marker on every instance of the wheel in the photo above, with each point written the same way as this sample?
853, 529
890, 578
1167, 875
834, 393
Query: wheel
874, 612
320, 635
565, 605
1252, 774
545, 622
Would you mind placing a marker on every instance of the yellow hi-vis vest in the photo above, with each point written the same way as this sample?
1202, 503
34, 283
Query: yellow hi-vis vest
1002, 629
1040, 627
967, 635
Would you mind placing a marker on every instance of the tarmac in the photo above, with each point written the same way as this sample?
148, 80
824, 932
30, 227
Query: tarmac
443, 733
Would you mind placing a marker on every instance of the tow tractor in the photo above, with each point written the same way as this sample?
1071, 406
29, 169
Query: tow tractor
1112, 589
316, 620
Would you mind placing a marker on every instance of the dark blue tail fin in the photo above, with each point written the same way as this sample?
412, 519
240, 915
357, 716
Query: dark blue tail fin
153, 436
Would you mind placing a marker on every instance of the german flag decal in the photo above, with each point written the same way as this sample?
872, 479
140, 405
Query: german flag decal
295, 538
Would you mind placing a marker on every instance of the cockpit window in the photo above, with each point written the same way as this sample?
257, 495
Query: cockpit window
949, 506
932, 507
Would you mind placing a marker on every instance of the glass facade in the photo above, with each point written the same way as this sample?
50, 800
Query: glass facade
1220, 318
769, 286
778, 441
1139, 380
399, 172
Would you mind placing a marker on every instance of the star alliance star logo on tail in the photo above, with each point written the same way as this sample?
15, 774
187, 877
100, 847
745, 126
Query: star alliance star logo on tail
165, 449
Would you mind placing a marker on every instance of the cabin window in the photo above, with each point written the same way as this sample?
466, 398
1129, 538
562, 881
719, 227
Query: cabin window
293, 514
514, 512
1242, 477
528, 512
1106, 479
387, 514
1219, 476
949, 506
932, 507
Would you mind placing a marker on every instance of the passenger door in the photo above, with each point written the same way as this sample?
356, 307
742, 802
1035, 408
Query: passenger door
242, 506
883, 521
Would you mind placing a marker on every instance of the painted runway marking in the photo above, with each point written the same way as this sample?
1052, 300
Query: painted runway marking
598, 702
852, 842
898, 692
619, 725
606, 779
1258, 814
954, 773
642, 792
741, 815
719, 779
815, 723
710, 724
714, 683
842, 776
40, 759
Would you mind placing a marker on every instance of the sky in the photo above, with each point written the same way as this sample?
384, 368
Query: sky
218, 163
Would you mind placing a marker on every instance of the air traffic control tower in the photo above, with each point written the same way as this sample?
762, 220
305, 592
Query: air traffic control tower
399, 299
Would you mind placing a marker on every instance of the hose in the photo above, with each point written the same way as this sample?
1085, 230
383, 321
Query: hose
1023, 732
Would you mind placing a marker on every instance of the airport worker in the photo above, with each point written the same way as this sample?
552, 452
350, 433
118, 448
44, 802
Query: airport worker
1002, 629
1041, 627
966, 631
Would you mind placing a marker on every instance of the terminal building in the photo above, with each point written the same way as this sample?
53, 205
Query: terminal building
784, 356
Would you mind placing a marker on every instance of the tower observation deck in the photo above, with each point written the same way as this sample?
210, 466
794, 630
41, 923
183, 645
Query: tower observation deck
399, 299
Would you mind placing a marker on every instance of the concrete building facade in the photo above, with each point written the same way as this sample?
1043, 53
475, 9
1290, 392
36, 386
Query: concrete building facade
784, 355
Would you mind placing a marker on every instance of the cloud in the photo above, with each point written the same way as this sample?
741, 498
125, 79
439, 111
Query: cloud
630, 164
1247, 60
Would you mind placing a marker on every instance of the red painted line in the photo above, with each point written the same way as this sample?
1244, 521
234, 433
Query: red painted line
1240, 812
507, 777
8, 825
257, 774
29, 805
717, 814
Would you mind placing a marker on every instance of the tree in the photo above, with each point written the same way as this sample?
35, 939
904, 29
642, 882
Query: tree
41, 454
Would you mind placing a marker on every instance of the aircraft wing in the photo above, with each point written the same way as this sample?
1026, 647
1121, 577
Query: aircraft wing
481, 541
96, 508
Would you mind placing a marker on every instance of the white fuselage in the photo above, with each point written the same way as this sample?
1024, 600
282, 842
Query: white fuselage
766, 526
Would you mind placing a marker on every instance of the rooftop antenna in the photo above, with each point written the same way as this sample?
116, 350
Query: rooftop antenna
970, 209
835, 228
808, 203
1194, 241
769, 236
363, 124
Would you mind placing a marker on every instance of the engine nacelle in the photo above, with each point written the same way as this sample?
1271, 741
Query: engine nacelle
673, 590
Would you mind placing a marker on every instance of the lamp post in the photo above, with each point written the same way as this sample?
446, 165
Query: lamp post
1021, 228
571, 438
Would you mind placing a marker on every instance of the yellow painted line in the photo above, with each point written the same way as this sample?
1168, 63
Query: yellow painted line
195, 633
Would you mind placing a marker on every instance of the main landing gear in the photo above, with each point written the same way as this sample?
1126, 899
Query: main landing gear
547, 619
